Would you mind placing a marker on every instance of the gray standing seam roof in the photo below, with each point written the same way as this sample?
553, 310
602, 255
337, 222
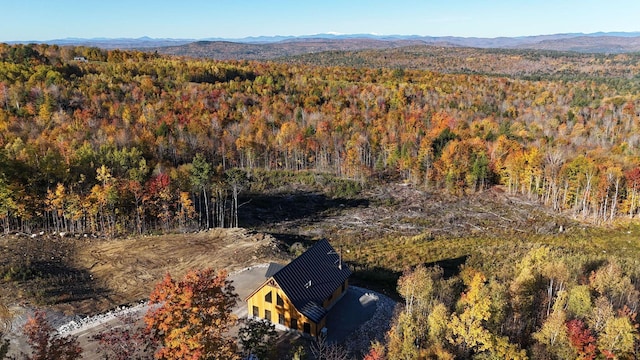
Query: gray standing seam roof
311, 278
272, 269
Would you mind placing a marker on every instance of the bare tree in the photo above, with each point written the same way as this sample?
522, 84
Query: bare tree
322, 349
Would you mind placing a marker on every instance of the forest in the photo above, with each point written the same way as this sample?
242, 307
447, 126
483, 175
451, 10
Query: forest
125, 142
129, 142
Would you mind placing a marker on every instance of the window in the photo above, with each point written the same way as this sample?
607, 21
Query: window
268, 298
267, 314
280, 319
344, 286
256, 311
279, 300
294, 324
307, 328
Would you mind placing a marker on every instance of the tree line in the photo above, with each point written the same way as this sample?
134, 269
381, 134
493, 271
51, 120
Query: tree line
133, 142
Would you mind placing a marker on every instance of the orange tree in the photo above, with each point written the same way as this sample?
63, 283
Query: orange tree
189, 318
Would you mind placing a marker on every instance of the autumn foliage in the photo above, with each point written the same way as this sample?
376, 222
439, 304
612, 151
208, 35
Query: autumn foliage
46, 343
125, 340
131, 142
541, 307
190, 317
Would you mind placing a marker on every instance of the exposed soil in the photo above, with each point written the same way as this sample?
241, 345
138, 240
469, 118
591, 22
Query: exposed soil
78, 275
84, 275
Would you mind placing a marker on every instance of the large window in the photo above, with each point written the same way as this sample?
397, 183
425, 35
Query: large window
307, 328
267, 314
294, 323
268, 298
256, 311
280, 319
279, 300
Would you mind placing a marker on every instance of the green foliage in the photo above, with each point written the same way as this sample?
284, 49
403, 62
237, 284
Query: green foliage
258, 337
441, 141
579, 301
343, 188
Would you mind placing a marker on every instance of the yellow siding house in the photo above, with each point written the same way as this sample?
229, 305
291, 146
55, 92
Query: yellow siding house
299, 296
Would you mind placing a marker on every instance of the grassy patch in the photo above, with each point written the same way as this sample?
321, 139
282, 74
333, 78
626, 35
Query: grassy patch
497, 256
283, 181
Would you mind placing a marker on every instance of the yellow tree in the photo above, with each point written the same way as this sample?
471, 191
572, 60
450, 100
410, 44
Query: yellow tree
186, 211
618, 337
8, 205
469, 326
553, 334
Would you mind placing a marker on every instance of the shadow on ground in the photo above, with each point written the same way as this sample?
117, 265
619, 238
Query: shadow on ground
450, 267
353, 310
260, 210
43, 270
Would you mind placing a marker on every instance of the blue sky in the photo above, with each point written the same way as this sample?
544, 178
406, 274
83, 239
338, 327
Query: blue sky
23, 20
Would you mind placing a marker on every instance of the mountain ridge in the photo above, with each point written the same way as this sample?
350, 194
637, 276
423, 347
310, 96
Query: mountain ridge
280, 45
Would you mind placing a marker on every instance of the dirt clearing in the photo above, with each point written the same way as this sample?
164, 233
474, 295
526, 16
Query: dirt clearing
88, 276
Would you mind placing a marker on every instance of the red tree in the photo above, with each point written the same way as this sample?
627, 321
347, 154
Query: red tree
581, 339
128, 341
46, 343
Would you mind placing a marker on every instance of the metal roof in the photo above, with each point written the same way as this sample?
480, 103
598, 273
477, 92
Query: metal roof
311, 278
272, 269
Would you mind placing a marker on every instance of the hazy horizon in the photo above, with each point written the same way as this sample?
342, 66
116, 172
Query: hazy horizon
40, 21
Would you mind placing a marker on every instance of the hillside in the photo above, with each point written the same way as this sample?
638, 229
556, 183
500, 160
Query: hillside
77, 274
268, 47
136, 142
264, 49
225, 50
589, 44
380, 233
524, 64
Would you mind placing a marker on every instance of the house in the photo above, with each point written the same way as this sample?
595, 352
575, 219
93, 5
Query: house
298, 296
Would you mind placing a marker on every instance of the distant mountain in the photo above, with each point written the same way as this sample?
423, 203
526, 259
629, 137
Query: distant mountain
269, 47
589, 44
113, 43
264, 49
225, 50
